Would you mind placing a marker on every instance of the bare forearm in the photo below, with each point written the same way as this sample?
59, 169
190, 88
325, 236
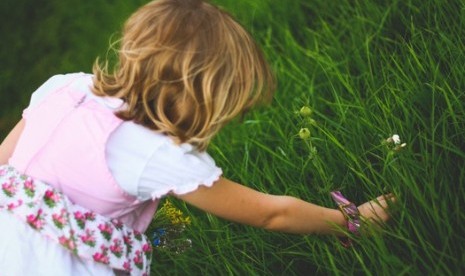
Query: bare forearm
238, 203
301, 217
241, 204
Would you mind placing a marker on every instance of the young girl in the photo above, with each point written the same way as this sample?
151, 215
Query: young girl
84, 169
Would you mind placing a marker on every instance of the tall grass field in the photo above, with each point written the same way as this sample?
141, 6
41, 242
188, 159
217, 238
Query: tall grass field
366, 70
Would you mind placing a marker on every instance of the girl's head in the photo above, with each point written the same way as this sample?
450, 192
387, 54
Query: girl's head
185, 69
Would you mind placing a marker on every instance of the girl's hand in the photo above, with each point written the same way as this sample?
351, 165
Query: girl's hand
376, 211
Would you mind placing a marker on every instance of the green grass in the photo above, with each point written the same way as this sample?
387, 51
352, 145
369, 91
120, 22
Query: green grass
368, 69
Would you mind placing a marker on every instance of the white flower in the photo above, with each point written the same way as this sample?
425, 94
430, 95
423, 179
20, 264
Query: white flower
394, 139
393, 143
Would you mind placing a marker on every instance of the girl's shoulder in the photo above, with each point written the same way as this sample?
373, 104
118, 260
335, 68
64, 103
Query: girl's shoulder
54, 83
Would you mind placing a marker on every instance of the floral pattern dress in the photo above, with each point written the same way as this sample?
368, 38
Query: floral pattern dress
83, 233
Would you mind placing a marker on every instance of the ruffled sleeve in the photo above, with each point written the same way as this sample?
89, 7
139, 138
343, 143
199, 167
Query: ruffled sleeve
177, 169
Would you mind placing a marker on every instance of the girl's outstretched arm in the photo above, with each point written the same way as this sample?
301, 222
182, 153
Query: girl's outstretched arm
8, 145
235, 202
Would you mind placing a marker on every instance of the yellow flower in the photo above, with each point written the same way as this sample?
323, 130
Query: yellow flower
171, 214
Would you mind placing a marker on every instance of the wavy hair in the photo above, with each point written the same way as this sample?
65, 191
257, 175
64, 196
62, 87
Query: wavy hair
185, 69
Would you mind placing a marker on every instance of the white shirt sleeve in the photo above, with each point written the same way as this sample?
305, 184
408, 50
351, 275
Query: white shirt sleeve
52, 84
150, 165
177, 169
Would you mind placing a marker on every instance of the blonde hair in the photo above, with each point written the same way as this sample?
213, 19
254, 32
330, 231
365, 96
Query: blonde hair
185, 69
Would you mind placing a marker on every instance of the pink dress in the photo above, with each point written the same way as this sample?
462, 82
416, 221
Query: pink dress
65, 145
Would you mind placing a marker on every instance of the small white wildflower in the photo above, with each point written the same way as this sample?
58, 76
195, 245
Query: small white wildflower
394, 139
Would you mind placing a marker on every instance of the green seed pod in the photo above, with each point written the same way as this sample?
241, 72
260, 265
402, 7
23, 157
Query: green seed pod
305, 111
310, 121
304, 133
